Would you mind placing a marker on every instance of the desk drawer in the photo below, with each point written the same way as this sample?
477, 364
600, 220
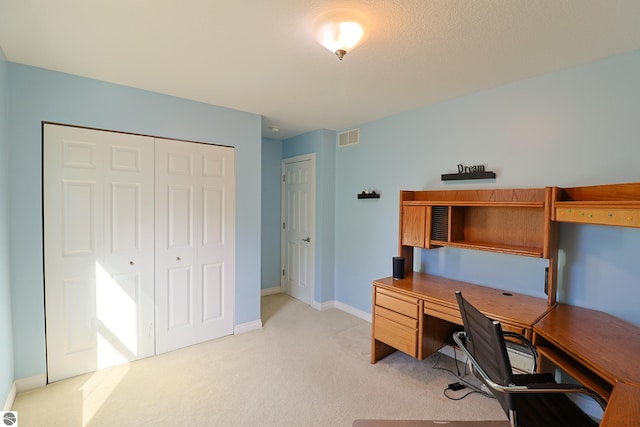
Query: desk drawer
453, 315
409, 322
396, 335
507, 327
398, 303
443, 312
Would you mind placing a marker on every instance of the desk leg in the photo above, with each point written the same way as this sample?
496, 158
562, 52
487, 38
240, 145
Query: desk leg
379, 350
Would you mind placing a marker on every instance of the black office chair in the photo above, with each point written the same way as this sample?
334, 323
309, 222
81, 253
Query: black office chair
528, 399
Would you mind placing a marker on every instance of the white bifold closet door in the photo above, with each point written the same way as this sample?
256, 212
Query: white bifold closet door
195, 187
98, 249
138, 246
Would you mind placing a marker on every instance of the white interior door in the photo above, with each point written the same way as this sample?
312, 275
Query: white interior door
98, 242
298, 234
195, 193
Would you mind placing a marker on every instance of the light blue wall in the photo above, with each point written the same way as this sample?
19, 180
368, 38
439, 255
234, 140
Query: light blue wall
322, 142
271, 188
6, 334
576, 127
36, 95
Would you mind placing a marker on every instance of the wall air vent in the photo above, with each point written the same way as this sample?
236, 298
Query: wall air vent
349, 137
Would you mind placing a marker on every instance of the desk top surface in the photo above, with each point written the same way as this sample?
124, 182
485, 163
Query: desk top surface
623, 408
495, 303
605, 344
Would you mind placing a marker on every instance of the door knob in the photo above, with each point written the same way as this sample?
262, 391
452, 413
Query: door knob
178, 258
131, 263
308, 239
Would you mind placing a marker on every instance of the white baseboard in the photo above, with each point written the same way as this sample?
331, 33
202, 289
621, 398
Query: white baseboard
323, 306
10, 398
271, 291
353, 311
31, 383
248, 327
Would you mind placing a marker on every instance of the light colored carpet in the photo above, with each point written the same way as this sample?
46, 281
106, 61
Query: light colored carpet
303, 368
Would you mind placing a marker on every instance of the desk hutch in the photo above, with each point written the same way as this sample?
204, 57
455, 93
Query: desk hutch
418, 314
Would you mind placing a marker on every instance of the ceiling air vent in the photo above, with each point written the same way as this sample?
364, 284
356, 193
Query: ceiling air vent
349, 137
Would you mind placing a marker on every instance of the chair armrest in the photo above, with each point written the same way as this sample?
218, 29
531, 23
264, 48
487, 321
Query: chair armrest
525, 343
526, 379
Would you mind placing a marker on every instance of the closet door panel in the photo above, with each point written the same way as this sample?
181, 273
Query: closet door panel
215, 244
123, 329
213, 292
98, 248
79, 217
212, 217
128, 290
125, 217
73, 244
179, 214
194, 223
180, 297
79, 317
176, 271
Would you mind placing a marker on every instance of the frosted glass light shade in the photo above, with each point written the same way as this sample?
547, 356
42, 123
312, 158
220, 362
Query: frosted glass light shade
340, 30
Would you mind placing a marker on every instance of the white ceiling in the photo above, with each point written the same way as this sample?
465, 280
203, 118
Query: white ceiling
260, 56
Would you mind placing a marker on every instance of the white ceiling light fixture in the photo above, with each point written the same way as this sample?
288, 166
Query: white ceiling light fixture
340, 30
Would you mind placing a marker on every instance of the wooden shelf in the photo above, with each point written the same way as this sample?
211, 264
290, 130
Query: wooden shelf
504, 204
507, 221
619, 204
615, 205
468, 175
492, 247
577, 371
493, 196
373, 195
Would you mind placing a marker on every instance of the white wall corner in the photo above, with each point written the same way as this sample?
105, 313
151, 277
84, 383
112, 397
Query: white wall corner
31, 383
353, 311
271, 291
247, 327
322, 306
10, 398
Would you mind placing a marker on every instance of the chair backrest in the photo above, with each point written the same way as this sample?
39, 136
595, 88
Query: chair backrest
485, 342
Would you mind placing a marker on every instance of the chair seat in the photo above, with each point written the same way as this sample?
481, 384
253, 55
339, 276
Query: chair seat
551, 410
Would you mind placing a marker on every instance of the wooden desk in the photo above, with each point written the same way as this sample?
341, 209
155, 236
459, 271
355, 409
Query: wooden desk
595, 348
623, 409
598, 350
419, 313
